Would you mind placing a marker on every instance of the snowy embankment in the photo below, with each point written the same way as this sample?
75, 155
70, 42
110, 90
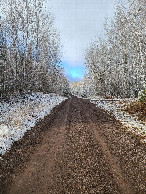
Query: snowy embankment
18, 116
116, 108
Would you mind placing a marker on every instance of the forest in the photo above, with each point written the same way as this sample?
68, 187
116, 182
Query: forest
31, 53
30, 50
115, 64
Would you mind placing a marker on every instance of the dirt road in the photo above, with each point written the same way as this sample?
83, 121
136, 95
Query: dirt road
79, 148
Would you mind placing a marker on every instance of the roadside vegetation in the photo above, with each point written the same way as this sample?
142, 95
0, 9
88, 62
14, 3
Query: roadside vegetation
21, 114
30, 50
115, 64
138, 107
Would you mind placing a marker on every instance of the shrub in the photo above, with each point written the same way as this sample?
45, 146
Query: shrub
142, 95
137, 107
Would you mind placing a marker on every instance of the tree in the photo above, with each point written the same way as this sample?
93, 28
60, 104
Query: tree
116, 64
33, 47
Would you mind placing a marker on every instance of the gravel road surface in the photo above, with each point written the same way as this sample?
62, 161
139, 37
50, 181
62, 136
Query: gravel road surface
78, 148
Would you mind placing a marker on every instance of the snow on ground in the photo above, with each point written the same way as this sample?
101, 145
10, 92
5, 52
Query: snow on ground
115, 107
19, 115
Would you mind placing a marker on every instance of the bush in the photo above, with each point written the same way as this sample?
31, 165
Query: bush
84, 95
66, 93
142, 95
137, 107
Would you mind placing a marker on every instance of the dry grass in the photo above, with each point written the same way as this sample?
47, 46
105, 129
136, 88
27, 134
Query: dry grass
137, 107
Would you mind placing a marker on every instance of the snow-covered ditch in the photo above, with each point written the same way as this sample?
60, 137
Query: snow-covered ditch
115, 107
18, 116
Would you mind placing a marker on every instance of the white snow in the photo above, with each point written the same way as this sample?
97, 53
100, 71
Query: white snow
18, 116
115, 108
4, 130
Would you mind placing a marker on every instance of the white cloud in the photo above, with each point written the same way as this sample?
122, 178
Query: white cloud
79, 22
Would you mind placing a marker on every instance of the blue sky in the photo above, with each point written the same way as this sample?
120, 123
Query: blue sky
74, 73
79, 23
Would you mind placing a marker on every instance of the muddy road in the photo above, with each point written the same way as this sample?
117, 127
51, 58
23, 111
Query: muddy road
78, 148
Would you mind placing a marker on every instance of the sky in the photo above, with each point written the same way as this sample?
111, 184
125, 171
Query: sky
80, 22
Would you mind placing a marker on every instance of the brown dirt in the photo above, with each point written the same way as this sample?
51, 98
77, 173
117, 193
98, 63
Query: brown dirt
78, 148
137, 107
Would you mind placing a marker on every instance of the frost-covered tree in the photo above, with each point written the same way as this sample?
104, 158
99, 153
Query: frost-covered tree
116, 64
33, 48
3, 59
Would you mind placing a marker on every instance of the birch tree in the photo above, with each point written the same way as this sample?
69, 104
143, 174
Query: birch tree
118, 60
33, 47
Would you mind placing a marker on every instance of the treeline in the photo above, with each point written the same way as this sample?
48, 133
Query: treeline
30, 49
116, 64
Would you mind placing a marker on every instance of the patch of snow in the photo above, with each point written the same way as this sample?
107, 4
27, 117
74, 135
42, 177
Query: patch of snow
115, 107
3, 130
19, 116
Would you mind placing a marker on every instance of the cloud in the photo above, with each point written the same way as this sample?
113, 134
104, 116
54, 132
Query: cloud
73, 62
79, 23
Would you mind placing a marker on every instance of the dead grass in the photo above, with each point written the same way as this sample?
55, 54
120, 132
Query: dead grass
137, 107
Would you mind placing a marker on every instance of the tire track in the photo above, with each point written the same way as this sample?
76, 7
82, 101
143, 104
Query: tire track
75, 156
106, 128
86, 173
39, 174
114, 167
